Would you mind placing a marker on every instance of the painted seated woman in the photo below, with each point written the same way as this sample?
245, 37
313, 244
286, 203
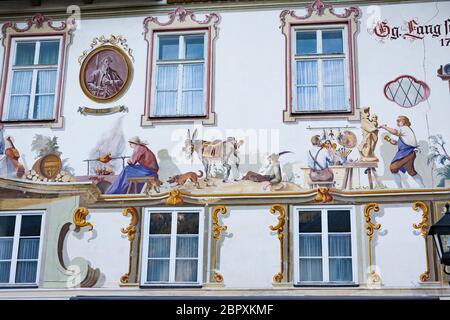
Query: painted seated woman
142, 163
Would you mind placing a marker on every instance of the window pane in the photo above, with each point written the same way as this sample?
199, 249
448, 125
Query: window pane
307, 72
340, 245
21, 82
307, 99
4, 271
339, 221
340, 269
306, 42
7, 225
193, 90
46, 81
31, 226
186, 271
194, 47
49, 52
6, 245
307, 90
187, 246
333, 72
310, 221
332, 41
28, 249
166, 90
187, 223
18, 108
168, 47
26, 271
43, 107
159, 247
160, 223
310, 269
310, 245
158, 270
25, 53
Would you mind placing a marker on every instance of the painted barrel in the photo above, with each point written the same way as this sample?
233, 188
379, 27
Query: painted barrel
50, 166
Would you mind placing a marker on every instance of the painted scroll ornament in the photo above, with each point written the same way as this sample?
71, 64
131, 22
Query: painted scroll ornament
101, 111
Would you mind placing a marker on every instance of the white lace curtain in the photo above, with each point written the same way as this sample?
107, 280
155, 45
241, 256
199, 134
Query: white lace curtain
327, 96
186, 263
22, 88
27, 258
340, 261
167, 90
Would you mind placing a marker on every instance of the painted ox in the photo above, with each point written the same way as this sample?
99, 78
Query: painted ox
212, 152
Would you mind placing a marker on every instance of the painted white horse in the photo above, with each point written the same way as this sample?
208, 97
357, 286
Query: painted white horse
210, 152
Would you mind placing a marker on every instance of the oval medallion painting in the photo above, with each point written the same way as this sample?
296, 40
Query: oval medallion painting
105, 74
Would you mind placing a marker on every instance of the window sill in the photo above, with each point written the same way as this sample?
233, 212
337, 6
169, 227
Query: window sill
147, 121
18, 286
50, 123
337, 115
170, 286
326, 285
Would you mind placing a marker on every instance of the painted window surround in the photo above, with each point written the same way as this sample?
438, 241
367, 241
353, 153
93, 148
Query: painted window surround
181, 20
354, 247
37, 26
145, 239
320, 14
19, 215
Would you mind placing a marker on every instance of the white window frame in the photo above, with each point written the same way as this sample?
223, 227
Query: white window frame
319, 56
180, 61
34, 68
144, 251
15, 250
325, 252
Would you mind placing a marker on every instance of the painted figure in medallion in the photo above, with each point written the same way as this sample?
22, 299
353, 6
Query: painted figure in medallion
142, 163
105, 81
406, 154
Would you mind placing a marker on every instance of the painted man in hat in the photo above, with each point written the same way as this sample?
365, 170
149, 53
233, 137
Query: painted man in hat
406, 154
142, 163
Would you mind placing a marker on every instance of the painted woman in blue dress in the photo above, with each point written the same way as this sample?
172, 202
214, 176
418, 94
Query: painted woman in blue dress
142, 163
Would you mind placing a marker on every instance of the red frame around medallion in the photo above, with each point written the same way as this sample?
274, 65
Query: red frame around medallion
37, 26
178, 23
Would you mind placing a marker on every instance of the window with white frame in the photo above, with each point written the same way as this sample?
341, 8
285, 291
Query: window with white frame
33, 78
20, 247
179, 78
325, 247
320, 70
173, 246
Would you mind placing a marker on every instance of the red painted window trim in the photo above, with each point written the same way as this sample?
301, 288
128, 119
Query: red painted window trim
65, 32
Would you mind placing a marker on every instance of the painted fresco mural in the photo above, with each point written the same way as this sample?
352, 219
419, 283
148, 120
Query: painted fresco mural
333, 157
245, 161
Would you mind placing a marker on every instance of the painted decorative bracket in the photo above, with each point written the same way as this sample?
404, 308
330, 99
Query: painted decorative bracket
174, 198
323, 195
130, 231
279, 229
79, 219
79, 272
370, 227
216, 233
423, 227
